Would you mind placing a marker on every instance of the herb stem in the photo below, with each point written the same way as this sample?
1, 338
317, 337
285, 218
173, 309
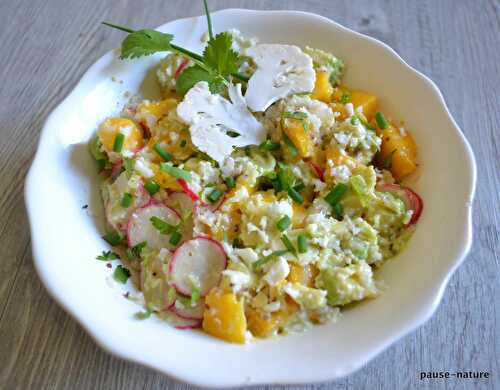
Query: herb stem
209, 20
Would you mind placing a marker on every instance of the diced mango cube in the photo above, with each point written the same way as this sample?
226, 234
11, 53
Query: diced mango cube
224, 316
398, 152
164, 179
295, 131
299, 215
149, 113
111, 127
260, 324
336, 157
302, 274
367, 101
323, 90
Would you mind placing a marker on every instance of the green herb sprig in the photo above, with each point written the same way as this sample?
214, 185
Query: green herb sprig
218, 62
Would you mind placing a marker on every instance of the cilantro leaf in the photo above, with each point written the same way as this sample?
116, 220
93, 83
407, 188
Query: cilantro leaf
107, 256
220, 56
121, 274
190, 76
145, 42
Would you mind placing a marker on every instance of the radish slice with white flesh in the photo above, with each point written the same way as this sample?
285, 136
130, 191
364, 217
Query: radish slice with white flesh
185, 207
154, 284
410, 198
197, 263
141, 229
187, 189
189, 312
180, 323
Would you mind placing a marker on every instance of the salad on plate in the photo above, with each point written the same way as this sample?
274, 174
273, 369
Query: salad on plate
260, 194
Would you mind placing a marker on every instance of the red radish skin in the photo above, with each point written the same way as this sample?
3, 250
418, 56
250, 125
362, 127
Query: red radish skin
141, 229
189, 192
200, 258
182, 323
317, 170
411, 199
115, 171
181, 68
189, 313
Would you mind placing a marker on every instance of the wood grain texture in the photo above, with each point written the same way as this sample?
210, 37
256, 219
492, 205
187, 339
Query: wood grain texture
46, 47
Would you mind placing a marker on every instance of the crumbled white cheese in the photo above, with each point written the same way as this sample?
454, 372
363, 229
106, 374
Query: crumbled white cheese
248, 255
278, 271
402, 131
340, 172
211, 116
143, 167
239, 280
281, 71
272, 307
350, 109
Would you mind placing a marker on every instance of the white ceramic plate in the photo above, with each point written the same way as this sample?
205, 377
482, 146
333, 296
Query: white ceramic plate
66, 238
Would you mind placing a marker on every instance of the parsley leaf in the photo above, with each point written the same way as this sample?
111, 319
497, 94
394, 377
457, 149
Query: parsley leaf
107, 256
220, 56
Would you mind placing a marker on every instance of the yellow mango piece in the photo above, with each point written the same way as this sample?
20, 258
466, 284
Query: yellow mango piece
336, 157
323, 90
149, 113
295, 131
299, 215
260, 324
367, 101
398, 152
224, 317
111, 127
302, 274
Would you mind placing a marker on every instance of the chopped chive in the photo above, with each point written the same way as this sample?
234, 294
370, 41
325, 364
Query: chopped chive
302, 243
354, 120
175, 172
118, 143
291, 147
300, 115
269, 145
183, 143
126, 200
175, 238
288, 244
151, 186
121, 274
299, 187
142, 315
345, 98
162, 152
338, 210
195, 296
284, 223
101, 164
128, 166
162, 226
365, 123
113, 238
259, 263
336, 194
230, 182
381, 121
215, 195
295, 195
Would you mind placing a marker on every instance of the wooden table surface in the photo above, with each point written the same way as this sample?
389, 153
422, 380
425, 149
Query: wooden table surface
46, 47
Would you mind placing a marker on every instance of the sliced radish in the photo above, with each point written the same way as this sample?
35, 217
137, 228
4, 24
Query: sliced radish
187, 189
198, 262
181, 323
411, 199
115, 171
154, 284
189, 312
317, 170
181, 68
180, 201
140, 228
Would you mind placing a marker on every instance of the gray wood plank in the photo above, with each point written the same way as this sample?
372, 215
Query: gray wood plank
47, 47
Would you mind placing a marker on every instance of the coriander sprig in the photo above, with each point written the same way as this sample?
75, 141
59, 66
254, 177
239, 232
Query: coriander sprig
218, 62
